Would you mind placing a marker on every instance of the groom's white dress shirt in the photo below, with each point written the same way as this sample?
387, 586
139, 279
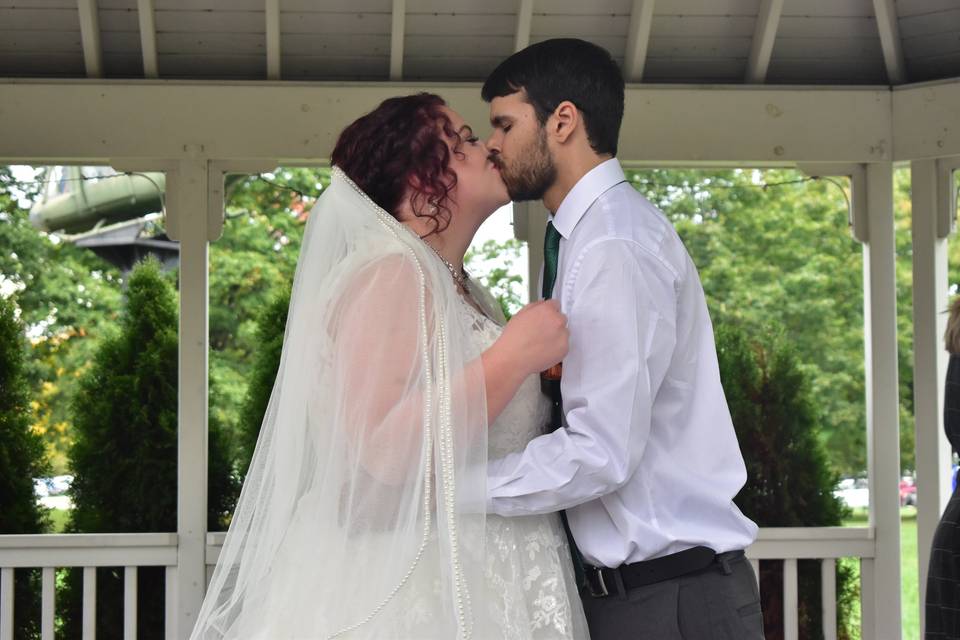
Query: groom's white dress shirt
648, 463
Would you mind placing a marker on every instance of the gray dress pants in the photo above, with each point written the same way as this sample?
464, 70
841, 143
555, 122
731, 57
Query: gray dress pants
708, 605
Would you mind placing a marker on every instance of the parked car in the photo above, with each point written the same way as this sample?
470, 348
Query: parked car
908, 492
854, 492
52, 492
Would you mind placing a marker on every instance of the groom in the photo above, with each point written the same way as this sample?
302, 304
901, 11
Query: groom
647, 464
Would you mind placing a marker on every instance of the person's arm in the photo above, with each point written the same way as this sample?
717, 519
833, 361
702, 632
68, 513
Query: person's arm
380, 379
621, 320
535, 338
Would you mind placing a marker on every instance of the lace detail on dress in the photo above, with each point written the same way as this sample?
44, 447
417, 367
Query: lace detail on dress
529, 571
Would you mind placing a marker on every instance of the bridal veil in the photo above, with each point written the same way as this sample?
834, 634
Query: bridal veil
362, 514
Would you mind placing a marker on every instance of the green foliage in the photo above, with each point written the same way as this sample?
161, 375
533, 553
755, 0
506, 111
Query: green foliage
21, 448
21, 460
124, 458
270, 331
497, 265
781, 256
253, 260
67, 297
789, 480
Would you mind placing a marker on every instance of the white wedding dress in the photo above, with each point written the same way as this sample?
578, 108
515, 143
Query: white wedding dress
530, 579
530, 588
363, 513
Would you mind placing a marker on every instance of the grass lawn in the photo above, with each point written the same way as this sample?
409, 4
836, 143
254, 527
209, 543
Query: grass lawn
909, 570
58, 520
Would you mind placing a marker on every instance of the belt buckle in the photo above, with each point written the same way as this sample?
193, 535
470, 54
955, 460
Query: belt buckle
603, 592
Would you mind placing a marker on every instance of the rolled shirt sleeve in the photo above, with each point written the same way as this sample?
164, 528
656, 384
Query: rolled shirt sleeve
621, 305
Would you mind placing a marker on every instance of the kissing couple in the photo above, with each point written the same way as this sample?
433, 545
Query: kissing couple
426, 469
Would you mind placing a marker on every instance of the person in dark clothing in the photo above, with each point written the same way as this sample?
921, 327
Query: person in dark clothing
943, 576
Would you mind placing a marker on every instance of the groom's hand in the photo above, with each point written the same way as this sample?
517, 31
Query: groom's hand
536, 337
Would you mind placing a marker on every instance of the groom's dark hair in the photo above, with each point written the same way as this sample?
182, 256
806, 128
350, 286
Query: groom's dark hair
552, 71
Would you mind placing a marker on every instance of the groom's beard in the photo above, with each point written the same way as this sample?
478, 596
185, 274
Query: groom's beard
533, 172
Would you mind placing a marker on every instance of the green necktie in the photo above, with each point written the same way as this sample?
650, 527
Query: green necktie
551, 251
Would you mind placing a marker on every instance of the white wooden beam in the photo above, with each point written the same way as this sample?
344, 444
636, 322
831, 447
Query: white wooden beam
397, 28
85, 121
273, 39
925, 120
883, 429
764, 35
524, 20
889, 28
638, 39
930, 286
529, 222
90, 36
148, 38
188, 204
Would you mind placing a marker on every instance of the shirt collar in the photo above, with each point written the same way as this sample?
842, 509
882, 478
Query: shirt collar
584, 193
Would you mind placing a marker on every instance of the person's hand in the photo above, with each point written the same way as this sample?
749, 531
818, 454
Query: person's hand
536, 338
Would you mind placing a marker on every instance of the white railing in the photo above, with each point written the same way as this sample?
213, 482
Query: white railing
50, 552
132, 550
826, 544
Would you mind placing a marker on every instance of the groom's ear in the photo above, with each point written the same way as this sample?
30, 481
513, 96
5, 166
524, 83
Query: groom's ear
564, 121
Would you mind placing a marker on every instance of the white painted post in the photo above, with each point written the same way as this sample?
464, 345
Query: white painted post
883, 438
47, 602
791, 600
129, 603
929, 359
6, 604
530, 222
170, 604
828, 597
868, 599
186, 210
89, 603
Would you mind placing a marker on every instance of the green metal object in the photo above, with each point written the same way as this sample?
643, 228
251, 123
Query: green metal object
77, 199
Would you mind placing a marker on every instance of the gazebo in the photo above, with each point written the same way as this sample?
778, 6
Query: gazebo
202, 88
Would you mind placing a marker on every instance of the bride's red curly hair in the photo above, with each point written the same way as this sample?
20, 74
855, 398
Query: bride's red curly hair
403, 145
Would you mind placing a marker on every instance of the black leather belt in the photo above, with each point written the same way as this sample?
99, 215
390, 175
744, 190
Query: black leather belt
603, 581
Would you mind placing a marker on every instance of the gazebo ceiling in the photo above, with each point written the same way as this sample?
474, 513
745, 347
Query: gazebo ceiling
819, 42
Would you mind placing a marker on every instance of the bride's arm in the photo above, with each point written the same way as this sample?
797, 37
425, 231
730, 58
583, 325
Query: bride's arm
379, 360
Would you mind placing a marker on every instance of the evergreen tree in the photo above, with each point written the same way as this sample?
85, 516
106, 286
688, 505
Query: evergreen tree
270, 329
125, 455
789, 481
21, 460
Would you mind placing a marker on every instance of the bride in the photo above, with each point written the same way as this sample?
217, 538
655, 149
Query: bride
363, 512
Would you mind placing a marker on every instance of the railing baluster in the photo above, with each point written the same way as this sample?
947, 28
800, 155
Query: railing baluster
129, 603
170, 599
828, 597
756, 570
6, 604
47, 603
868, 610
89, 603
791, 601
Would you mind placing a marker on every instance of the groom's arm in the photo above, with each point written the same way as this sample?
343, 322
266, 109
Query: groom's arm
622, 335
